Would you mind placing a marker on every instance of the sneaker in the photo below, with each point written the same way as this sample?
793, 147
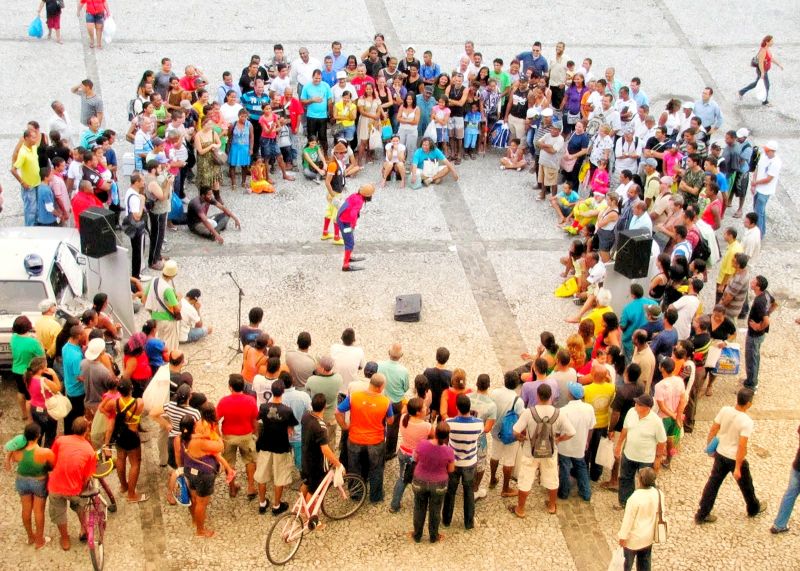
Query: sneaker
280, 509
339, 242
262, 508
326, 236
710, 518
502, 168
481, 493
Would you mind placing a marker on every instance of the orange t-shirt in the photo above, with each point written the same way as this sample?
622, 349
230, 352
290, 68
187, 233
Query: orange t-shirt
367, 411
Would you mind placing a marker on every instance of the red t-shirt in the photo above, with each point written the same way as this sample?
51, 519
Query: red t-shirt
80, 202
94, 7
75, 463
238, 413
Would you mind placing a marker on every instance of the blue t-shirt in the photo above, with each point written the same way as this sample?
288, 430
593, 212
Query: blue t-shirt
339, 62
329, 77
538, 63
317, 110
473, 121
722, 182
154, 348
71, 355
45, 198
429, 72
633, 317
254, 104
425, 107
420, 156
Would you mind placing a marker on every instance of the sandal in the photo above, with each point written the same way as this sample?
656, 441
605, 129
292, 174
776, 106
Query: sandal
513, 510
46, 541
140, 499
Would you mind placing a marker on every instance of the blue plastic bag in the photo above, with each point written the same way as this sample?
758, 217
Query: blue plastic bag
176, 213
182, 497
712, 446
35, 30
729, 361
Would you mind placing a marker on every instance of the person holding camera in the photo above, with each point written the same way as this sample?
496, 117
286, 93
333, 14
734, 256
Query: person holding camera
158, 201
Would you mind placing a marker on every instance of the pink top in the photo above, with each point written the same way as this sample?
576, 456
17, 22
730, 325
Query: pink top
351, 208
600, 181
670, 162
412, 435
35, 390
669, 391
440, 113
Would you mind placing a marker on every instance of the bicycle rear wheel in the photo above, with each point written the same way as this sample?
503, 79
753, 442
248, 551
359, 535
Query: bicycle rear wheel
284, 538
341, 503
95, 534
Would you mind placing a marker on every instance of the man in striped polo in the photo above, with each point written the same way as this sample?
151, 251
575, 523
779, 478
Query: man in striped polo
465, 430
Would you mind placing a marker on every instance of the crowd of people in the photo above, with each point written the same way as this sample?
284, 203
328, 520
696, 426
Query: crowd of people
628, 382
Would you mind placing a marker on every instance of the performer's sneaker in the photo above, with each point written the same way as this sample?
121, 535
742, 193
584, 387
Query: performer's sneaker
351, 268
326, 236
358, 259
339, 242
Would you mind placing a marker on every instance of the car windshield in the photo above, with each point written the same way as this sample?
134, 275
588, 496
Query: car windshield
18, 297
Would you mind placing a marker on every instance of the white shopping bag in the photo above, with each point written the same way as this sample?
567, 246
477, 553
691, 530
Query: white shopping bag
109, 29
760, 91
605, 453
617, 560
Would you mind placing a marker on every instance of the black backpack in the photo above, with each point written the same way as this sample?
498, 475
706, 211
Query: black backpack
702, 251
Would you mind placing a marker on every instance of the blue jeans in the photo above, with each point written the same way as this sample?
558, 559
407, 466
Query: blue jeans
760, 207
752, 359
375, 456
464, 476
627, 477
297, 448
347, 235
29, 205
565, 466
747, 88
196, 333
399, 486
787, 503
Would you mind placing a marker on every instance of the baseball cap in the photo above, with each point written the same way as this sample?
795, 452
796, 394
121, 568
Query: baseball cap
370, 368
651, 162
644, 400
341, 75
688, 105
547, 112
742, 133
575, 389
772, 145
95, 348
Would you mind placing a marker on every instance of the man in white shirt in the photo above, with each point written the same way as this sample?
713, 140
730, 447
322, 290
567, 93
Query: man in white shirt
642, 443
733, 428
504, 454
303, 69
191, 327
59, 121
542, 461
751, 239
686, 307
572, 452
606, 113
765, 182
628, 151
686, 118
348, 359
343, 85
549, 145
282, 82
641, 219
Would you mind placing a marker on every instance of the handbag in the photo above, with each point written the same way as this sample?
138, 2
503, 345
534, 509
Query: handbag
661, 531
430, 131
572, 118
605, 453
57, 405
219, 156
617, 562
109, 29
430, 168
408, 471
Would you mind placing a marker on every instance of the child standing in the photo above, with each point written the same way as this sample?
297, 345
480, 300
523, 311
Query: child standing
441, 117
473, 122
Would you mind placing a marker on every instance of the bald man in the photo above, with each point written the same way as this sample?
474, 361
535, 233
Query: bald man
396, 389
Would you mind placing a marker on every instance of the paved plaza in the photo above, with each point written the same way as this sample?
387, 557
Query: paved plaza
482, 252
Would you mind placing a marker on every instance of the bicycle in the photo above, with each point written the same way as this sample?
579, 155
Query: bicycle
97, 506
287, 532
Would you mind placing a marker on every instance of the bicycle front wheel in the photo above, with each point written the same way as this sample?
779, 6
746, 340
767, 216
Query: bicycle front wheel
96, 531
341, 503
284, 538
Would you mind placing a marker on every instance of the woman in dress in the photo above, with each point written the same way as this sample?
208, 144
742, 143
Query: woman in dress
414, 428
435, 461
33, 463
763, 61
370, 114
571, 103
241, 147
659, 282
671, 118
606, 222
209, 172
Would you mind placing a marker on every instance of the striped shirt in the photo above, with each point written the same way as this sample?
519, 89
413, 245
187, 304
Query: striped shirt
175, 413
464, 434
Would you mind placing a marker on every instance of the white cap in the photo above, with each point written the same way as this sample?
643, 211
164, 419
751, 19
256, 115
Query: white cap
95, 348
341, 74
772, 145
688, 105
547, 112
742, 132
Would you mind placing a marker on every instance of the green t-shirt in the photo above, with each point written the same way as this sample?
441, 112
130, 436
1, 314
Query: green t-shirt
23, 350
330, 386
313, 152
170, 299
502, 78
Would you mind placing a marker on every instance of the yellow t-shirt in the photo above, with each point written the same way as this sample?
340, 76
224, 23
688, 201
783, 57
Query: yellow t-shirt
726, 266
600, 395
47, 329
596, 316
27, 164
339, 109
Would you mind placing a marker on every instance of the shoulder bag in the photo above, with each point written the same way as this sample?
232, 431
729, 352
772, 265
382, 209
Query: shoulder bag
661, 531
57, 405
130, 226
568, 162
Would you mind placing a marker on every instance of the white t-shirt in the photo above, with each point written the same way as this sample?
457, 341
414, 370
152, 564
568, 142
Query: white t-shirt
687, 308
347, 361
189, 319
561, 427
623, 147
230, 113
644, 434
339, 91
279, 85
581, 417
132, 199
262, 386
75, 172
597, 273
393, 156
548, 159
503, 398
768, 167
733, 424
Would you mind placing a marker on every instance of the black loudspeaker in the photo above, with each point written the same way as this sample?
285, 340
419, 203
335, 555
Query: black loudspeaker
633, 253
97, 232
407, 307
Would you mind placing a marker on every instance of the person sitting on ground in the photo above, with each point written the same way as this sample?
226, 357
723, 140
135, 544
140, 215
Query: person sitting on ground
204, 226
589, 286
191, 327
395, 161
573, 262
514, 158
439, 166
564, 201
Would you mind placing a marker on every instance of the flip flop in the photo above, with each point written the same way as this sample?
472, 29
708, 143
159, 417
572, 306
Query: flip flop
609, 486
513, 510
140, 499
251, 495
511, 494
46, 541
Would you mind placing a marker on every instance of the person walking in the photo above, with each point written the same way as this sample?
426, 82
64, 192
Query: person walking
781, 523
644, 510
435, 461
732, 428
757, 328
762, 61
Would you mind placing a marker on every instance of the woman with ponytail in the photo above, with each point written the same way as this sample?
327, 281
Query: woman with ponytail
413, 429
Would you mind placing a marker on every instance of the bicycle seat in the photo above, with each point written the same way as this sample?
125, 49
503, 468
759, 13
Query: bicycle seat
90, 491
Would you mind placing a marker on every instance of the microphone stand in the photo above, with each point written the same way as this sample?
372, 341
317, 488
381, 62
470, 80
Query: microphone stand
237, 349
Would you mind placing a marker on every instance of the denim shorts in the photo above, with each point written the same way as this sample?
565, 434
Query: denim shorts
270, 148
27, 486
95, 18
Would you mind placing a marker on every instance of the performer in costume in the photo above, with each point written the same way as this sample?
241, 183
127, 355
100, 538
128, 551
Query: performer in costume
347, 219
335, 181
